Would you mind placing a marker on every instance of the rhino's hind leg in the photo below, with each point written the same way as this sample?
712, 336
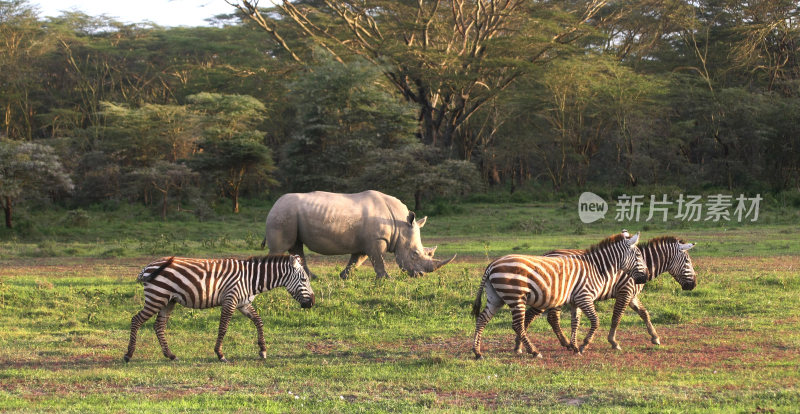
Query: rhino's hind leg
297, 249
356, 259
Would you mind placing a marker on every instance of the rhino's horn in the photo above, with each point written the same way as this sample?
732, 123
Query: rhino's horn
440, 263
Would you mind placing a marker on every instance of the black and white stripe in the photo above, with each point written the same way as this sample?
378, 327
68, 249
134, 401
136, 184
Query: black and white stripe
207, 283
662, 254
531, 285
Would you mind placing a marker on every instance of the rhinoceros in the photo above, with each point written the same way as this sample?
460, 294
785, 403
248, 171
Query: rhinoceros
366, 224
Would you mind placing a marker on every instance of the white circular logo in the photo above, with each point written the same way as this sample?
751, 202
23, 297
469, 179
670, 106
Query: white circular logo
591, 207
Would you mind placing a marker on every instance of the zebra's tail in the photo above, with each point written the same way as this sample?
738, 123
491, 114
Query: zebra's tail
146, 278
476, 305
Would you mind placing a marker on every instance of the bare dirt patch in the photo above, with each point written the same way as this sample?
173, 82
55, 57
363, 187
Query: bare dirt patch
686, 347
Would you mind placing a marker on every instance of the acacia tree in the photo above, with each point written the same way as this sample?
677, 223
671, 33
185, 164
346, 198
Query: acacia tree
450, 58
166, 178
342, 113
27, 169
232, 148
23, 40
414, 171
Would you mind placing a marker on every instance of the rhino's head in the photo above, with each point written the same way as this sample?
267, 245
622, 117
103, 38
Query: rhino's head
411, 256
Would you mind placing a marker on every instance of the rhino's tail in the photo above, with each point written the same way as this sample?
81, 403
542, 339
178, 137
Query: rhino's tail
264, 242
146, 277
476, 305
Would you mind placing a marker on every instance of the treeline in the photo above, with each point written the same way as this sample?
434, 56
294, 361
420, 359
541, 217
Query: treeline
414, 98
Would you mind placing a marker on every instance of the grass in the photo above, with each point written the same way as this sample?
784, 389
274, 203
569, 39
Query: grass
730, 345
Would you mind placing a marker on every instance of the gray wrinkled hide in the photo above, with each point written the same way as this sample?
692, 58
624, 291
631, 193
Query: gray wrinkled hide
366, 224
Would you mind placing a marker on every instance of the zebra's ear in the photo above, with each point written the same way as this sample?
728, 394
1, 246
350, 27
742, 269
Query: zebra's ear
633, 240
686, 246
296, 260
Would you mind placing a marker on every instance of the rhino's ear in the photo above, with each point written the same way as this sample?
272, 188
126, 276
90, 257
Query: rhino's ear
421, 222
411, 218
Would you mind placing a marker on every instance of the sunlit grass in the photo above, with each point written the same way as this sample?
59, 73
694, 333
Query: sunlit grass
402, 344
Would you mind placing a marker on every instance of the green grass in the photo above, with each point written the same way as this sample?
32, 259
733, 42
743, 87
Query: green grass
730, 345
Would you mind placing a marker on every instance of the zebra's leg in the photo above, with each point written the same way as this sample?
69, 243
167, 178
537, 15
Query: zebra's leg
518, 315
587, 307
530, 315
554, 319
356, 259
575, 322
228, 306
249, 311
623, 299
140, 318
160, 328
480, 323
637, 305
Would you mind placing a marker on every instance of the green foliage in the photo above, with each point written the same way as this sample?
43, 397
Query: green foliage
545, 98
232, 150
28, 169
343, 113
76, 218
417, 170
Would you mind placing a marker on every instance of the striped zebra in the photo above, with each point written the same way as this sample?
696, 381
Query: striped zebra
662, 254
207, 283
542, 283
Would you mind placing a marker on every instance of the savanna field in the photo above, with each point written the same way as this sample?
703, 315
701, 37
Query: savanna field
68, 291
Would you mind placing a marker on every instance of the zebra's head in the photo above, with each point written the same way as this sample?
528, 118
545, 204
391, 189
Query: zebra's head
298, 283
633, 261
680, 265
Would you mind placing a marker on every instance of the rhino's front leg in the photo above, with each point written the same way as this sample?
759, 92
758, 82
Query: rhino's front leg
376, 257
355, 261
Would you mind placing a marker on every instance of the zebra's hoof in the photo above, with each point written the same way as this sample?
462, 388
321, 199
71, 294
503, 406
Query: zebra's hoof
478, 357
126, 358
263, 354
656, 341
537, 355
223, 359
616, 347
172, 357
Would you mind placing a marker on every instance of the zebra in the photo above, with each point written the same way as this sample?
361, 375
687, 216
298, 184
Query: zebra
207, 283
542, 283
661, 254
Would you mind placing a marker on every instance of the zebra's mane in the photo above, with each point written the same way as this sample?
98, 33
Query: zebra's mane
660, 240
269, 257
605, 243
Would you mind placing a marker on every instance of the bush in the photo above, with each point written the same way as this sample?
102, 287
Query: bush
442, 207
76, 218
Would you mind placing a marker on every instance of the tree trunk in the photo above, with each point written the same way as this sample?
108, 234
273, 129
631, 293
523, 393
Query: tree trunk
417, 199
164, 207
7, 209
